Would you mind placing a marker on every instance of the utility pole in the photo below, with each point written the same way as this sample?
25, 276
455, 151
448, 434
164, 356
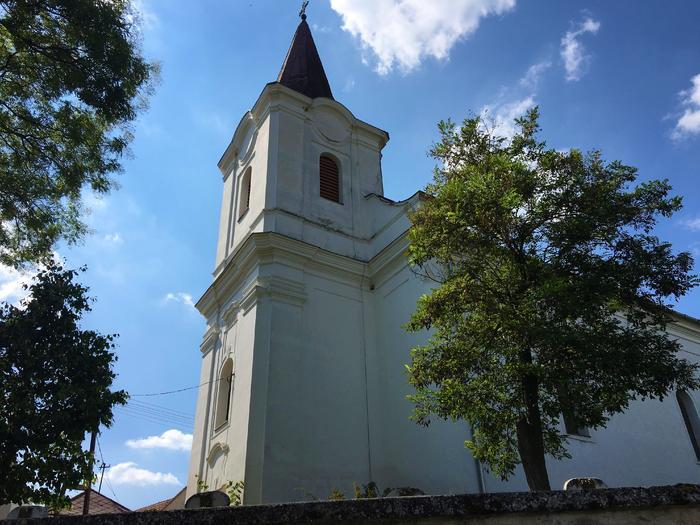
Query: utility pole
88, 482
103, 467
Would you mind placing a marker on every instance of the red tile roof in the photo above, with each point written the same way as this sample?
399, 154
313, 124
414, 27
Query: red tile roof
176, 502
99, 504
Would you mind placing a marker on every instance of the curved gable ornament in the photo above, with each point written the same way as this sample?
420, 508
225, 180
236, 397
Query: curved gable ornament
217, 450
241, 146
331, 121
245, 142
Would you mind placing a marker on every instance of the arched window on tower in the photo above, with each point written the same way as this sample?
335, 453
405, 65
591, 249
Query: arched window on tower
223, 401
244, 193
572, 429
329, 178
569, 415
691, 420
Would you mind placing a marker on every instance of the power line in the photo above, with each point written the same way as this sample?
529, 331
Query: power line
177, 391
102, 458
160, 413
103, 466
163, 409
151, 418
155, 419
156, 414
111, 489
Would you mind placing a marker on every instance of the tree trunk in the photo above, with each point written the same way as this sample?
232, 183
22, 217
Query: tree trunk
530, 441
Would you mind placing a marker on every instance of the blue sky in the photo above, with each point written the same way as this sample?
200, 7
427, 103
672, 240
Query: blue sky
617, 76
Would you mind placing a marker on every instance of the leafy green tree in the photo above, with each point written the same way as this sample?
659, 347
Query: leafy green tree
71, 80
551, 293
55, 381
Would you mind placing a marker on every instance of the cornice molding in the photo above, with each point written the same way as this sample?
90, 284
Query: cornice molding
266, 247
684, 326
211, 336
385, 259
230, 314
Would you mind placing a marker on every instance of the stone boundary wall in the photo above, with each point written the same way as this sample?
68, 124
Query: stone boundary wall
679, 504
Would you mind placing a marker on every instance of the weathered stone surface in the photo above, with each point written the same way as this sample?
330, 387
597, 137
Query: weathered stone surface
405, 491
28, 511
676, 504
207, 500
584, 484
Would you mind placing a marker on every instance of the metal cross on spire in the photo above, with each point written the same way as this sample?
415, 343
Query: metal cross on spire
302, 13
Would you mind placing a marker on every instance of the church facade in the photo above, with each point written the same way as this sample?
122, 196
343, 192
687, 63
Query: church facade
303, 358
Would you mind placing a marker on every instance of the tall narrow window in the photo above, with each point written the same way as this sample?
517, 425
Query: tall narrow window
223, 401
244, 193
691, 420
572, 428
329, 178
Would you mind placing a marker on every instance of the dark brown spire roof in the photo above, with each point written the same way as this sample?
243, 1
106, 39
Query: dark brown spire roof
302, 70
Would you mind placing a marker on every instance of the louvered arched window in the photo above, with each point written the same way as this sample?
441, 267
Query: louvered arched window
691, 420
329, 178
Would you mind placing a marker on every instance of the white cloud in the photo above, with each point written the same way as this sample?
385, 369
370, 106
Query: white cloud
689, 122
11, 284
349, 84
113, 238
401, 33
144, 15
500, 117
692, 224
534, 73
95, 202
170, 439
129, 473
179, 297
213, 121
321, 29
573, 52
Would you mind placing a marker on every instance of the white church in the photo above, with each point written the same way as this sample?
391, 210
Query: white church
304, 352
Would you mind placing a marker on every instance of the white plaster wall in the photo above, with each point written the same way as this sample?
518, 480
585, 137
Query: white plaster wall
201, 423
319, 399
316, 414
219, 454
302, 131
645, 446
251, 143
432, 459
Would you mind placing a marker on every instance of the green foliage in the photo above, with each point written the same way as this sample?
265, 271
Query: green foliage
235, 492
71, 81
336, 495
369, 491
55, 381
201, 484
537, 255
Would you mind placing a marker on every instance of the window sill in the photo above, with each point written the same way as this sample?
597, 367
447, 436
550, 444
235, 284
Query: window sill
339, 203
582, 439
218, 430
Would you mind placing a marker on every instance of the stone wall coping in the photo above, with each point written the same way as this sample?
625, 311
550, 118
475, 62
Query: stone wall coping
401, 508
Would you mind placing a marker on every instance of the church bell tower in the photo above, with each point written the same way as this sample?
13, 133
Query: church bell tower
283, 351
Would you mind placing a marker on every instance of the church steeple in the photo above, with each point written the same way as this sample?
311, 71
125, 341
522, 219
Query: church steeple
302, 70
